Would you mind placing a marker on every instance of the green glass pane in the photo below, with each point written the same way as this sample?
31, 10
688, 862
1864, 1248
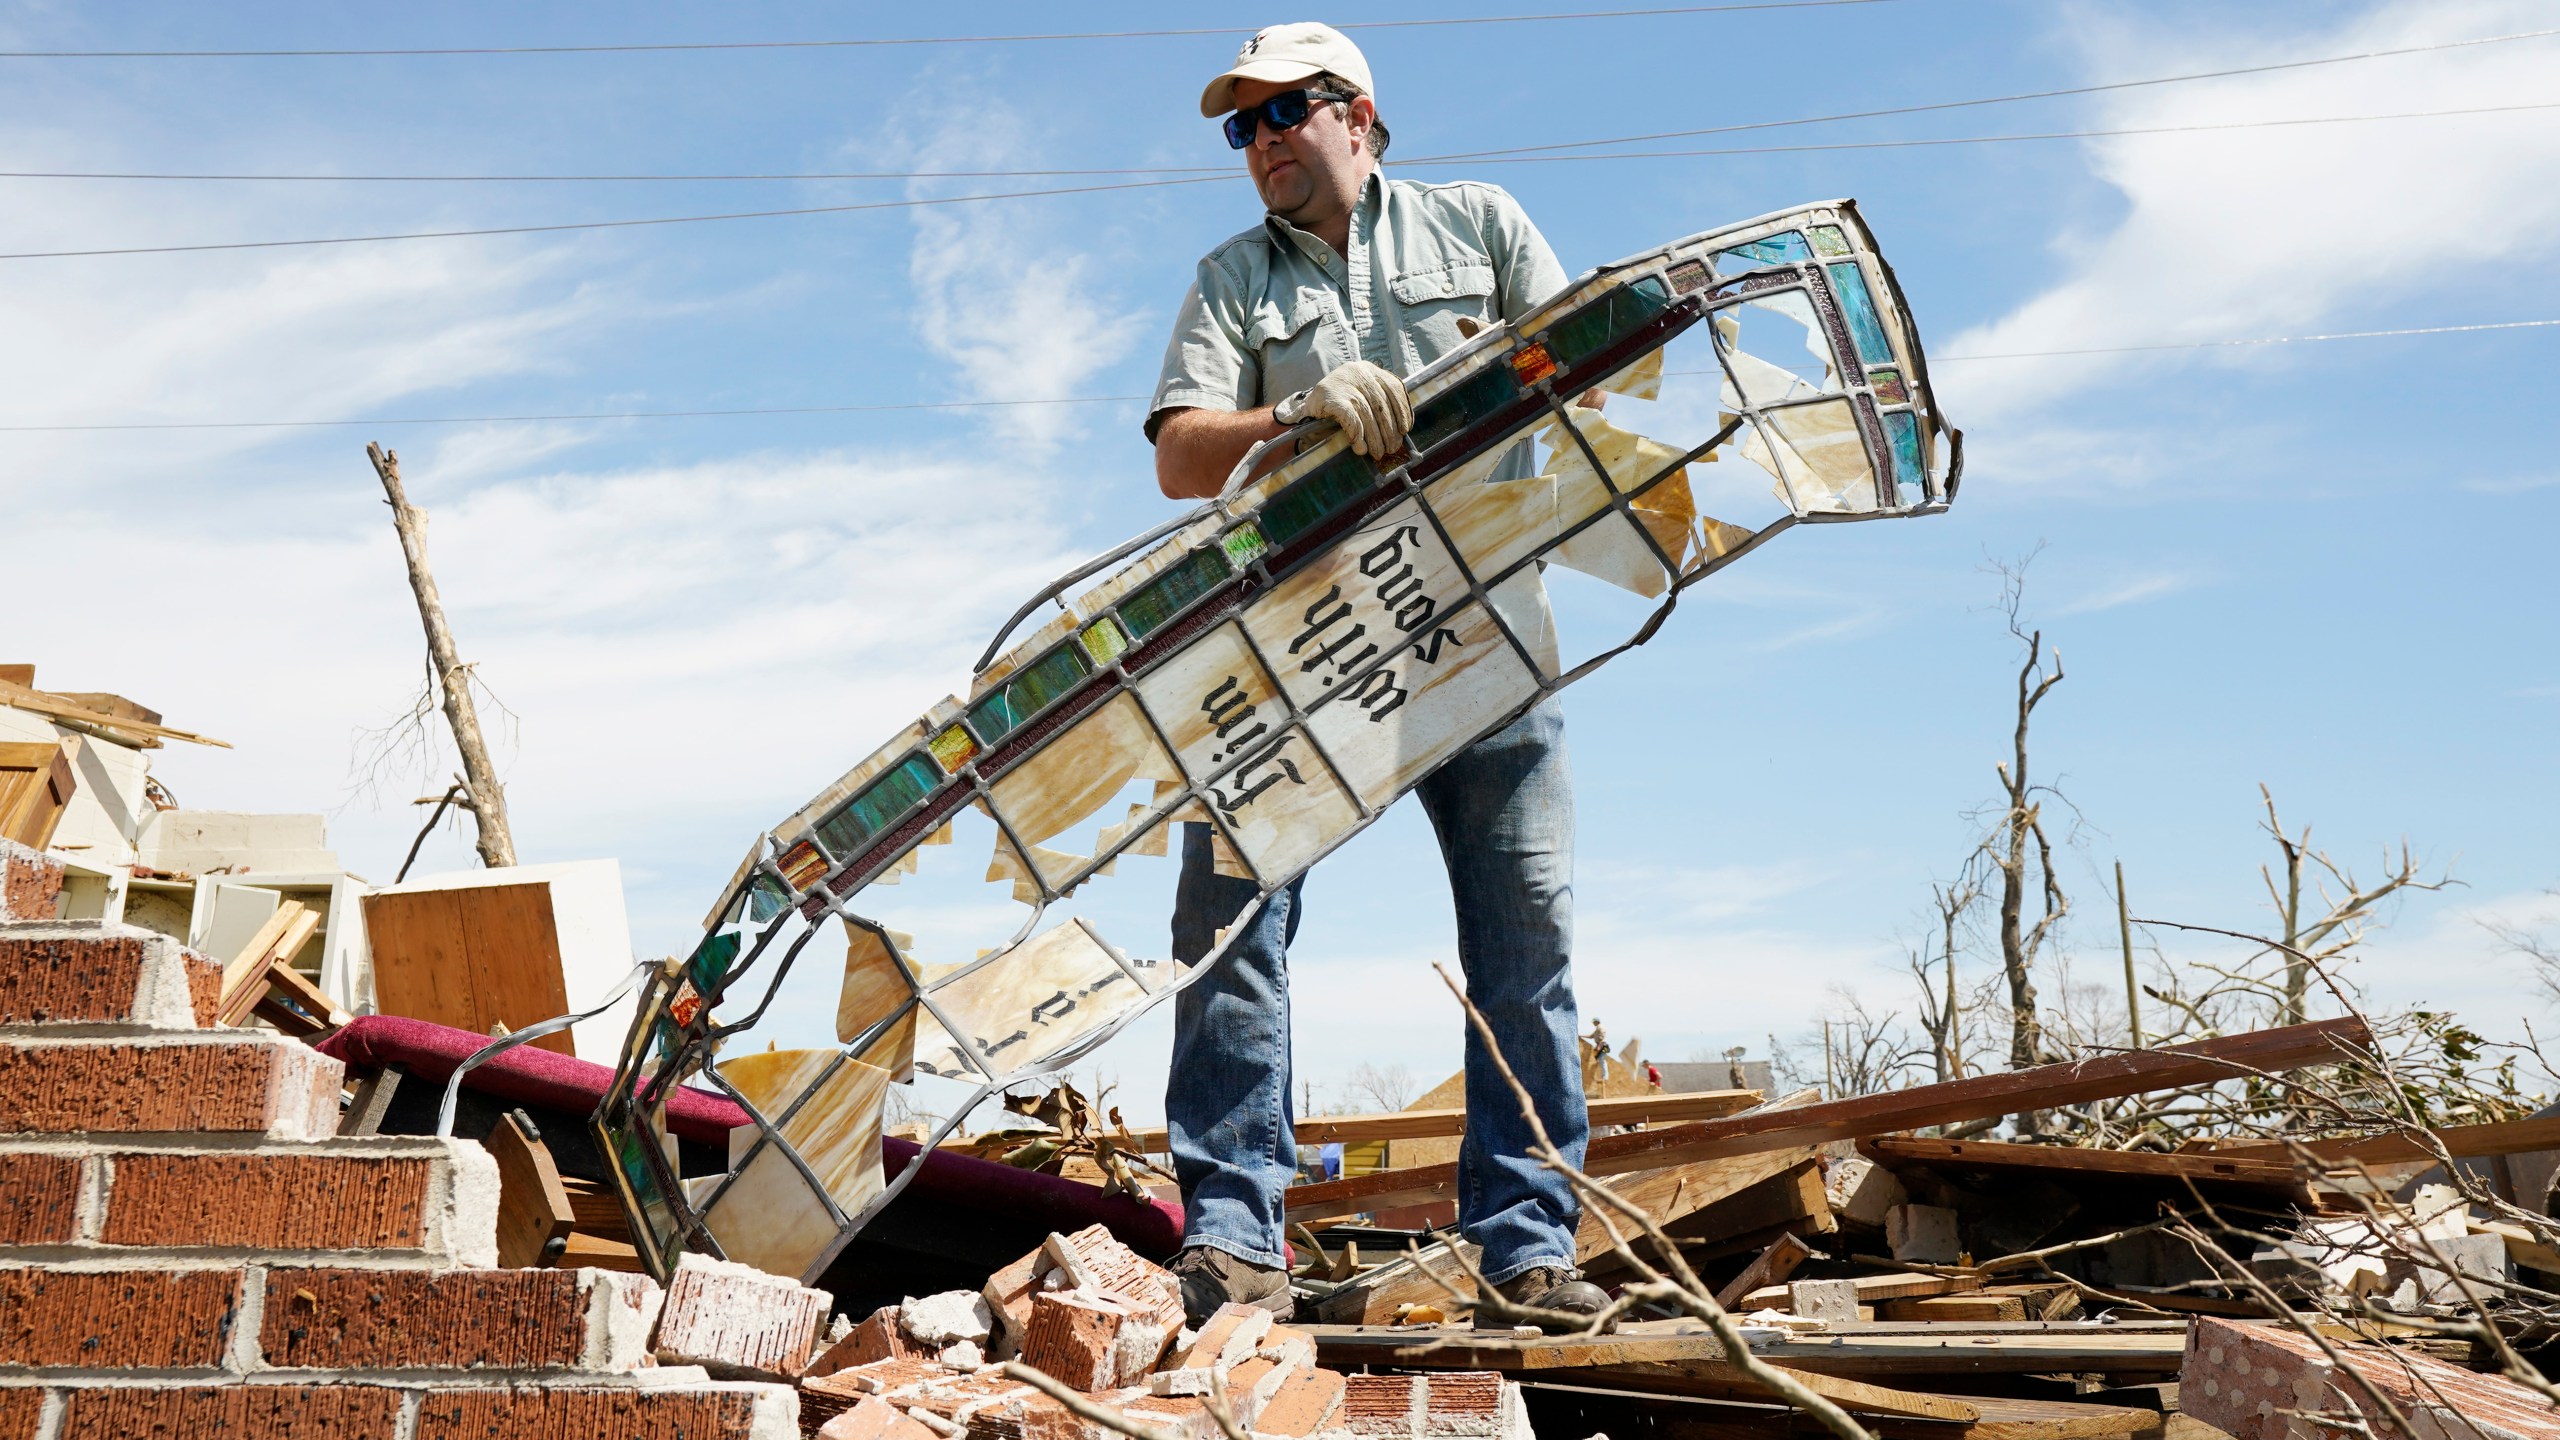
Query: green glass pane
1029, 691
1164, 597
1103, 641
1783, 248
1859, 307
643, 1182
711, 960
766, 898
1607, 320
1460, 406
880, 805
1316, 495
1827, 240
1244, 545
1909, 474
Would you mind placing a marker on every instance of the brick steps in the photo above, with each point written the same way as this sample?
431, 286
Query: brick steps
399, 1199
187, 1247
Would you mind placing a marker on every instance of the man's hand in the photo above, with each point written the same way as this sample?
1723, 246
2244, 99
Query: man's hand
1368, 402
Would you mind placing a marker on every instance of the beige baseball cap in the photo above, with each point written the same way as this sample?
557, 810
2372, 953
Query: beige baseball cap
1280, 53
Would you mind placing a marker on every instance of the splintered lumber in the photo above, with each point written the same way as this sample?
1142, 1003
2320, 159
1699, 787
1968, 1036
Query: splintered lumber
1627, 1408
1946, 1347
2463, 1142
1793, 1198
535, 1215
1677, 1191
1976, 1097
2221, 1165
246, 978
1874, 1289
1677, 1356
1428, 1124
1423, 1277
144, 734
1772, 1268
1956, 1307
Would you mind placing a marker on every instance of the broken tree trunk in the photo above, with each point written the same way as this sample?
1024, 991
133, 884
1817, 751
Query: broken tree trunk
488, 798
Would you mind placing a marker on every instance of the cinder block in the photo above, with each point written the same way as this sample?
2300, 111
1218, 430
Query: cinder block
90, 974
30, 883
39, 1199
1923, 1233
734, 1319
1861, 1191
227, 1083
590, 1320
703, 1411
939, 1320
1834, 1301
430, 1199
250, 1412
117, 1319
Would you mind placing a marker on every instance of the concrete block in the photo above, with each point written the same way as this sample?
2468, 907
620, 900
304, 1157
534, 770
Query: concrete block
223, 1083
734, 1319
1825, 1300
1861, 1191
90, 974
938, 1320
1923, 1233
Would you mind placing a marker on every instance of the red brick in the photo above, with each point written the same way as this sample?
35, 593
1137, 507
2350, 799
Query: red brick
88, 974
876, 1338
21, 1410
252, 1412
541, 1412
1071, 1336
2245, 1378
39, 1199
1303, 1405
267, 1201
30, 883
872, 1419
738, 1320
274, 1087
399, 1319
117, 1319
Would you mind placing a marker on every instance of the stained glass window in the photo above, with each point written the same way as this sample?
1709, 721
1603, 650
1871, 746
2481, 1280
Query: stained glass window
1316, 495
1164, 597
1606, 321
884, 801
1460, 406
1103, 641
1783, 248
1827, 240
1244, 545
1859, 306
1903, 429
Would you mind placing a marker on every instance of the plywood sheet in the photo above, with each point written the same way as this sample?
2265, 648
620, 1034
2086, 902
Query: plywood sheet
469, 958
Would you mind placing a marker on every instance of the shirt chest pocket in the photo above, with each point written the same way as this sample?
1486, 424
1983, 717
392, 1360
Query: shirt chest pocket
1286, 338
1431, 302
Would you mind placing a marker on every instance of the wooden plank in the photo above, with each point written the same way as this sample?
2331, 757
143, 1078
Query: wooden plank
1772, 1268
244, 979
1677, 1191
1635, 1406
1875, 1289
470, 957
534, 1214
1954, 1307
2505, 1137
1424, 1124
36, 786
2105, 1351
1794, 1199
298, 988
1996, 1155
1379, 1296
1716, 1379
1976, 1097
37, 702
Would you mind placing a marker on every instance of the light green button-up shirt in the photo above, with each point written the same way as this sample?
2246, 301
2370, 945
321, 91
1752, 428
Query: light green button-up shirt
1273, 309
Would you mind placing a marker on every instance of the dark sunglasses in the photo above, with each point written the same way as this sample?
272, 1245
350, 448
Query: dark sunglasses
1285, 111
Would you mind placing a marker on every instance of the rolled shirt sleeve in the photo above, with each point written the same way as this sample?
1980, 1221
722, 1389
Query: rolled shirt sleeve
1207, 365
1524, 265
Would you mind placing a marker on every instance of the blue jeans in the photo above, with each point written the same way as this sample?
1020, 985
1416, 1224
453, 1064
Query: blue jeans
1504, 812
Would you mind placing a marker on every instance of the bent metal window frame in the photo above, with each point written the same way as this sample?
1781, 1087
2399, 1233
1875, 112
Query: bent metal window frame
1203, 571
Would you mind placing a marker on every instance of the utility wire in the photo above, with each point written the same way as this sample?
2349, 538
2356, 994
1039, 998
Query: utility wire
894, 41
1485, 157
1194, 177
927, 405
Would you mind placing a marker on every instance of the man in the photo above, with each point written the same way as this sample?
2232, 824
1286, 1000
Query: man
1350, 281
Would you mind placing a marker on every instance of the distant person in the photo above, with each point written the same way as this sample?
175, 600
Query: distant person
1349, 281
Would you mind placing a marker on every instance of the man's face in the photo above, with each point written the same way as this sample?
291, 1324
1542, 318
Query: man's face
1312, 173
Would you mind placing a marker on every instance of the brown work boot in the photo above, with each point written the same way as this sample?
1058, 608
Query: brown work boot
1544, 1287
1211, 1277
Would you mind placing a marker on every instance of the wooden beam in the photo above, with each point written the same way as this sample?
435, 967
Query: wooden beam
245, 979
1427, 1124
1995, 1155
1976, 1097
1874, 1289
1678, 1191
2463, 1142
534, 1213
1772, 1268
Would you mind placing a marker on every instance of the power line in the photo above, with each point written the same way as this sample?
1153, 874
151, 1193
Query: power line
896, 41
1484, 157
930, 405
2029, 95
1197, 177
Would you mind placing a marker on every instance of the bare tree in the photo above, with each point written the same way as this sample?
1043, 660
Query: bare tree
2309, 941
482, 795
2019, 849
1385, 1087
2539, 948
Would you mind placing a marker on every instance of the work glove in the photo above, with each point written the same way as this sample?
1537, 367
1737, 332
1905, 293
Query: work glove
1368, 402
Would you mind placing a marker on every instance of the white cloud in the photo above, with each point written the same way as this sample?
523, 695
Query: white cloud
2259, 232
2459, 959
2511, 485
2132, 590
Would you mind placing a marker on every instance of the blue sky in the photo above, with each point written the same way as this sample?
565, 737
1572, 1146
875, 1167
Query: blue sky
2317, 566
